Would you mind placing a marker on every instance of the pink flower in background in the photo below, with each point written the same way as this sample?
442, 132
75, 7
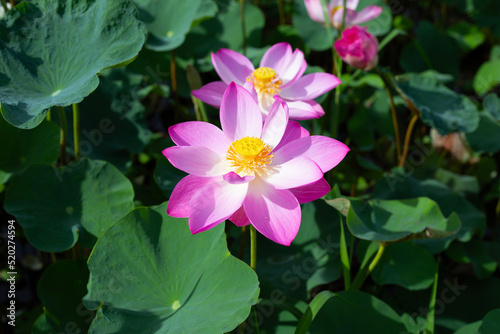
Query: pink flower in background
250, 172
336, 12
280, 73
358, 48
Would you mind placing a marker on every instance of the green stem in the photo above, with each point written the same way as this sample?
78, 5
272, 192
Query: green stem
76, 130
344, 257
253, 247
281, 12
393, 113
4, 4
63, 134
366, 271
49, 115
429, 329
174, 81
243, 30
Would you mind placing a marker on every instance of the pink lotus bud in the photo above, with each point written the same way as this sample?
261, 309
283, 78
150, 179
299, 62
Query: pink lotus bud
358, 48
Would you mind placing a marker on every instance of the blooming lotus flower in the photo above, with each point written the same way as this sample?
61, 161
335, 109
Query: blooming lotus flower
280, 73
358, 48
249, 172
336, 12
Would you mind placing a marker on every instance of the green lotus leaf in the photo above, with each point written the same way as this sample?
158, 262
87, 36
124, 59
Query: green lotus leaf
27, 147
58, 206
168, 21
439, 106
52, 50
149, 274
356, 312
394, 267
392, 220
61, 289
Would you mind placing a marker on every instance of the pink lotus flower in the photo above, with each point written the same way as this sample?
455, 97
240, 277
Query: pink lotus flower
336, 12
358, 48
280, 73
250, 172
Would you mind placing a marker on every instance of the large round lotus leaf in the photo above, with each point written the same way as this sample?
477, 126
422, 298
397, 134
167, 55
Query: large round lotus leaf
51, 51
168, 21
400, 184
394, 267
391, 220
439, 106
58, 206
149, 274
61, 289
23, 148
356, 312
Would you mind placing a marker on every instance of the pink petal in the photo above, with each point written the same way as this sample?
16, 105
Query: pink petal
294, 173
311, 192
324, 151
315, 10
214, 204
240, 115
234, 178
302, 110
179, 203
196, 160
275, 123
239, 218
294, 69
351, 4
293, 131
366, 14
274, 213
277, 57
232, 66
310, 86
338, 16
211, 93
199, 134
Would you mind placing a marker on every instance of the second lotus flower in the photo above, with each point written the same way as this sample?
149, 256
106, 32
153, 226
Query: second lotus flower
336, 9
250, 172
280, 73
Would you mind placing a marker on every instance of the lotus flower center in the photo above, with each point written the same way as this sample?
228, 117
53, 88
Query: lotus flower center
248, 156
264, 73
265, 80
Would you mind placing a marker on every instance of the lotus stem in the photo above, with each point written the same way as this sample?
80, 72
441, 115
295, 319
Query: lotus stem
407, 140
76, 130
63, 137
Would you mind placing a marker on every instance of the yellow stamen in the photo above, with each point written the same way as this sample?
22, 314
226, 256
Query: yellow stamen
249, 156
265, 81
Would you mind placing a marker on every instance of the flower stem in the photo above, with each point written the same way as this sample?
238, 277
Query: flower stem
63, 134
281, 11
243, 30
413, 120
173, 74
253, 247
49, 115
364, 272
4, 4
429, 329
76, 129
393, 113
242, 244
344, 257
